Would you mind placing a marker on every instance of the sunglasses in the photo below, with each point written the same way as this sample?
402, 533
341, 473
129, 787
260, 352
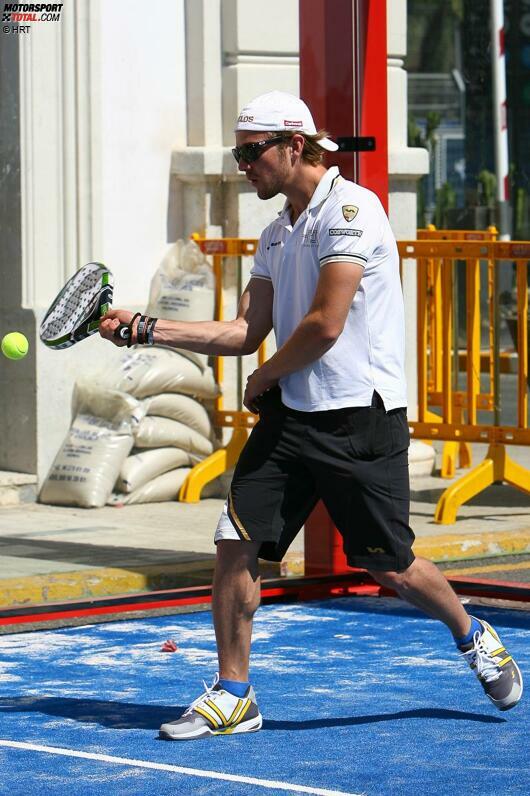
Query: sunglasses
251, 152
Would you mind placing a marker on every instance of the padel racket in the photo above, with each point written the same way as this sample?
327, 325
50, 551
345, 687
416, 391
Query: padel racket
75, 313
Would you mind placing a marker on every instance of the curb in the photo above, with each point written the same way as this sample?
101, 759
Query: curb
110, 581
455, 547
103, 582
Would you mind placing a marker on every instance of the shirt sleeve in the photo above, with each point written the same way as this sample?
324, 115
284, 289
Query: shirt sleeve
260, 269
349, 233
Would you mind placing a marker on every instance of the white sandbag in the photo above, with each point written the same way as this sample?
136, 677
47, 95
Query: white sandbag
183, 408
90, 398
142, 466
161, 432
200, 360
89, 461
183, 289
163, 488
146, 371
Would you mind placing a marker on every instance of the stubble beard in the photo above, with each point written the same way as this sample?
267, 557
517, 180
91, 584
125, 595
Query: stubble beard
277, 181
268, 191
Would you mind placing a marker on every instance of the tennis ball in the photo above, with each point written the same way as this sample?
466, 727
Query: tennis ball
14, 345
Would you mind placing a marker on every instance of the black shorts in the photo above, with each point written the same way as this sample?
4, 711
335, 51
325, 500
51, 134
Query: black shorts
354, 459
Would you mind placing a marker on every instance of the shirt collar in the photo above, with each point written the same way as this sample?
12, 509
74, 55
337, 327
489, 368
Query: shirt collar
324, 187
321, 191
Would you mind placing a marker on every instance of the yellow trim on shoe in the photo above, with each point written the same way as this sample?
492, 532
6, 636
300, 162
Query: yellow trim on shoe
243, 713
233, 727
207, 716
491, 630
219, 712
235, 711
498, 652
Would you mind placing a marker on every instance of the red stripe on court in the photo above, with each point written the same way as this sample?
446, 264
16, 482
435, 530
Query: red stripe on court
356, 583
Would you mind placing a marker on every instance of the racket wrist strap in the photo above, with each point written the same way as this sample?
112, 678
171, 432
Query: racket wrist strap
131, 326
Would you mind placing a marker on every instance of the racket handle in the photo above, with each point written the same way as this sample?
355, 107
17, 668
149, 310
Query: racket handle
122, 332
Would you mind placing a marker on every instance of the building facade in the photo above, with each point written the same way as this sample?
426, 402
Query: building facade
116, 135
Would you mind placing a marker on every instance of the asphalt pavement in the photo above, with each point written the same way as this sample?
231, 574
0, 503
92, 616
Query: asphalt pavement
56, 554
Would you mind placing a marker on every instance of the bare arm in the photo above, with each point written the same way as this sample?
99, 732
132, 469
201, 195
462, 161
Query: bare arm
316, 333
242, 335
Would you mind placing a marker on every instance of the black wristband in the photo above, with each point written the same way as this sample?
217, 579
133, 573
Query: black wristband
149, 331
140, 332
130, 336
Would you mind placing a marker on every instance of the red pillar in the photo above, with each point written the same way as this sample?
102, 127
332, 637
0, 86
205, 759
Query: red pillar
343, 66
374, 108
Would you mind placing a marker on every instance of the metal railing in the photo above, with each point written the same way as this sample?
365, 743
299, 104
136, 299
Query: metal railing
446, 410
452, 452
438, 352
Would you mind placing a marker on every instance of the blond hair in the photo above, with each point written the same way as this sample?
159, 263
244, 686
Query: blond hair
312, 152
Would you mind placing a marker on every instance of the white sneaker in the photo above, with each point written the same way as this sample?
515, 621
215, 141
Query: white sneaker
216, 712
497, 671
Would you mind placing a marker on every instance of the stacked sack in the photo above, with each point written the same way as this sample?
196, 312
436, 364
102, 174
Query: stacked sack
136, 433
138, 429
175, 431
98, 442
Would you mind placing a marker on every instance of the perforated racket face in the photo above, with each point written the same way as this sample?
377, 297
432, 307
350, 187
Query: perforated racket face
75, 313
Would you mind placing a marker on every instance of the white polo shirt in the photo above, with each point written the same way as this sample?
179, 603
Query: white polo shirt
342, 223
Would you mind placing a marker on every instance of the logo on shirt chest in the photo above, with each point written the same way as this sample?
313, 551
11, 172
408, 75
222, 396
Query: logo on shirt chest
352, 233
310, 237
349, 212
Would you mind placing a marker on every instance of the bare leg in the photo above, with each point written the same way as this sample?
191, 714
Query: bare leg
236, 596
423, 585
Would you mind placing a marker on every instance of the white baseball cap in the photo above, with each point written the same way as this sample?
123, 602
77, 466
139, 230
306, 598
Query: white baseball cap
277, 110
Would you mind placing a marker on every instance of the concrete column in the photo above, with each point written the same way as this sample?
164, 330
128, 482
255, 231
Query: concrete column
53, 226
17, 382
405, 166
229, 60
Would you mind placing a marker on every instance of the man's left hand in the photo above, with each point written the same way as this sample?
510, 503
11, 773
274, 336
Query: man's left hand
257, 383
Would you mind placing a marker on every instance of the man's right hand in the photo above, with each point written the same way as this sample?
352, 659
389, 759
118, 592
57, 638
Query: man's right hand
110, 322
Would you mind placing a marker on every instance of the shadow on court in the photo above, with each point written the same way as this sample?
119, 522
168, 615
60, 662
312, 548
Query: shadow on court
95, 555
352, 721
127, 716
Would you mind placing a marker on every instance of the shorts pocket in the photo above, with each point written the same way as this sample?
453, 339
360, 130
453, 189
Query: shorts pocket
400, 430
370, 434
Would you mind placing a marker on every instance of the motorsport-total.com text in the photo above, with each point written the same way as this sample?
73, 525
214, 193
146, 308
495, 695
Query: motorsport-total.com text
32, 12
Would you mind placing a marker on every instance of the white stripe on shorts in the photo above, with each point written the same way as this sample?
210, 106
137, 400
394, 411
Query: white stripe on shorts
225, 529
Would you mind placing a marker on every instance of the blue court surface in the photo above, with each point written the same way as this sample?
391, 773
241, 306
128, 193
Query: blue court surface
359, 696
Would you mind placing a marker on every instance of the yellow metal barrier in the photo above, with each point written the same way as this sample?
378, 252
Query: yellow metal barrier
223, 459
452, 452
438, 350
431, 233
437, 353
